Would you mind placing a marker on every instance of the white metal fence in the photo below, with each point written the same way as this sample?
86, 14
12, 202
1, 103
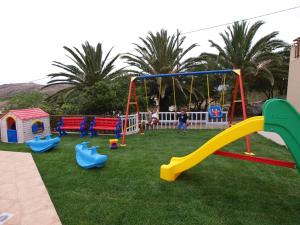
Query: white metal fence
167, 120
132, 124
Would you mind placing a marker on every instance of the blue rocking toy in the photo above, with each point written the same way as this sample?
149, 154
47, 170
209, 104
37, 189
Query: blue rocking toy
41, 145
88, 157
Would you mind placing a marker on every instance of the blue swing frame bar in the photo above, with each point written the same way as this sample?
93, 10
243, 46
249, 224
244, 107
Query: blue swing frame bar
183, 74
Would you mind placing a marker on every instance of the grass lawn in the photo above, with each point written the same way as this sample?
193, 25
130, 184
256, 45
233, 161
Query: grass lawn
128, 189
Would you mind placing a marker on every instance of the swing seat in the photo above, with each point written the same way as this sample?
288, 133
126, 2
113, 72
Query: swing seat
154, 124
187, 124
215, 112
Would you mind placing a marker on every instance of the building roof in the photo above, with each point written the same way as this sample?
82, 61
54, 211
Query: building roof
297, 39
26, 114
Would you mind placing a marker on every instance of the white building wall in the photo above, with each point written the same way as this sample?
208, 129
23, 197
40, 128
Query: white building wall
293, 92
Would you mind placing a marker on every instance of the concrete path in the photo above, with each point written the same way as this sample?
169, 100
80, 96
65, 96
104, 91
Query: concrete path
23, 193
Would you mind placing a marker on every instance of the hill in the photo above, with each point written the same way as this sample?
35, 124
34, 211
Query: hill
9, 90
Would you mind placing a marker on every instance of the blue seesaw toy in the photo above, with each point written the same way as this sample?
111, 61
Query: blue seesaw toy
42, 145
88, 157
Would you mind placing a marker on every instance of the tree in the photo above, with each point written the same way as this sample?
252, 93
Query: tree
280, 72
280, 75
208, 61
160, 53
240, 51
90, 66
26, 100
103, 97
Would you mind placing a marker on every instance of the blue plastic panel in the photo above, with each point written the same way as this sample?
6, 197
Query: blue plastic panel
12, 136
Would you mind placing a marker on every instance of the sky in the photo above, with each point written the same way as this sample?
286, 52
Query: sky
33, 32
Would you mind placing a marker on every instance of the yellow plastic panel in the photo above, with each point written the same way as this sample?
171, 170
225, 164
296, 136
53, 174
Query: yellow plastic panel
179, 164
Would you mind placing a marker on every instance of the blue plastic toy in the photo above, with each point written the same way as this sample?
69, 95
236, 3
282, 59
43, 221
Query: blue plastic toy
88, 157
39, 145
215, 112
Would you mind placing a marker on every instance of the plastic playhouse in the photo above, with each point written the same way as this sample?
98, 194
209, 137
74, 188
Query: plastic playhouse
21, 125
41, 145
88, 157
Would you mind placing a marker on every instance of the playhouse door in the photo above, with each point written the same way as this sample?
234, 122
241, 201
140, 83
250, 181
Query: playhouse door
11, 130
12, 136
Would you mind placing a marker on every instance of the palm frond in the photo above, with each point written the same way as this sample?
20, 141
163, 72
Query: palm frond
89, 67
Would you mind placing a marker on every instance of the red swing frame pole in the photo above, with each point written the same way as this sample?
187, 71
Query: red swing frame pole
236, 86
137, 107
244, 111
239, 86
127, 112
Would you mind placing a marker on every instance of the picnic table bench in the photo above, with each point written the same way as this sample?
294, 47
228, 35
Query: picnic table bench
106, 124
71, 124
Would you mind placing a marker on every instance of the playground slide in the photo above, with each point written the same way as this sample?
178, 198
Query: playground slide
179, 164
279, 116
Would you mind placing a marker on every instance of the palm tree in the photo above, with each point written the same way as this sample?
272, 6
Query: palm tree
240, 50
279, 72
160, 53
90, 66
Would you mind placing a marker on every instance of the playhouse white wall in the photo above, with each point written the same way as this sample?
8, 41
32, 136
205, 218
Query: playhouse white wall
27, 128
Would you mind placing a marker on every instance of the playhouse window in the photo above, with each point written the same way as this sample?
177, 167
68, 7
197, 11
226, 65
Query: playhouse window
37, 127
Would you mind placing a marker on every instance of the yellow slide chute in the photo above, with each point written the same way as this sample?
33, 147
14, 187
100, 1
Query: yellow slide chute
178, 165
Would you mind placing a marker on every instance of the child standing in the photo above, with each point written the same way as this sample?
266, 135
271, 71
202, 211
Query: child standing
182, 120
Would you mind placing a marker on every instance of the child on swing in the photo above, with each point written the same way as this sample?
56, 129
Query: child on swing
182, 120
154, 116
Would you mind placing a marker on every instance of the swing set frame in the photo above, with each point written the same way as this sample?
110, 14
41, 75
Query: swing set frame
237, 88
248, 155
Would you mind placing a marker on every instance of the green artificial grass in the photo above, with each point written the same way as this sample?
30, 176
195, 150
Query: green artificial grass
128, 189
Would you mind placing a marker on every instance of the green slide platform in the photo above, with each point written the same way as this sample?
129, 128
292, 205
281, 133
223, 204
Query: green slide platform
282, 118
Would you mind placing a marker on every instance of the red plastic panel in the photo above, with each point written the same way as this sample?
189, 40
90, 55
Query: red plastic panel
269, 161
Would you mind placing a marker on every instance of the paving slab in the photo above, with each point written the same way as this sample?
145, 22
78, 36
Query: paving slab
23, 193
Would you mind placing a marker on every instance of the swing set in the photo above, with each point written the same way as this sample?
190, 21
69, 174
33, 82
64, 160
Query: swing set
244, 128
216, 110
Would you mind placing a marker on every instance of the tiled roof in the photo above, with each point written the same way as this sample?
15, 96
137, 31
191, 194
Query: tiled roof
25, 114
297, 39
